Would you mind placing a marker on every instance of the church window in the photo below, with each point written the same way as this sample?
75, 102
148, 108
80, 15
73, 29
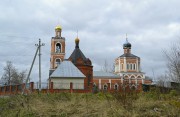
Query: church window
58, 61
131, 66
122, 66
116, 87
94, 84
128, 66
58, 48
105, 87
133, 88
134, 66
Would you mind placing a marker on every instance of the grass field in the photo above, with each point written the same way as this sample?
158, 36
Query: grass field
92, 105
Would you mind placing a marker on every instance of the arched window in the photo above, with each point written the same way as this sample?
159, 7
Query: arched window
105, 87
116, 86
134, 66
58, 48
131, 66
127, 66
94, 84
58, 61
133, 88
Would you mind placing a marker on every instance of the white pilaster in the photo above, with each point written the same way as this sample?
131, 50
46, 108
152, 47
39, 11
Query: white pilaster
142, 81
122, 79
119, 65
136, 81
99, 83
110, 83
137, 68
125, 65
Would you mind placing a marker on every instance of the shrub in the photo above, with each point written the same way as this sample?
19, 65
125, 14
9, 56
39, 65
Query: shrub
173, 93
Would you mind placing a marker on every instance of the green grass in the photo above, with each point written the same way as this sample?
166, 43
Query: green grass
91, 105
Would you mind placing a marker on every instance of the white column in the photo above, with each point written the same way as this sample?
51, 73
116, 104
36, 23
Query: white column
129, 80
119, 65
99, 83
137, 67
142, 81
110, 83
122, 79
125, 65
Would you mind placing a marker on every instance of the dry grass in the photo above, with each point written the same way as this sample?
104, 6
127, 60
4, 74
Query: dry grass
91, 105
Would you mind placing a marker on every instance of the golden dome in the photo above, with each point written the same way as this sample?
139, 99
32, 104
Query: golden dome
58, 27
77, 40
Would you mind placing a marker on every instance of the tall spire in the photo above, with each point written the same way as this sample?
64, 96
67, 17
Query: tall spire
126, 38
77, 33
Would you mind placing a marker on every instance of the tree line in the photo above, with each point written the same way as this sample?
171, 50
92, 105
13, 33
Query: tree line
11, 75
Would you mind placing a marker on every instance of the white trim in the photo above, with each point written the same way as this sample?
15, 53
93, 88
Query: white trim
125, 65
137, 65
122, 79
110, 83
119, 65
136, 81
99, 83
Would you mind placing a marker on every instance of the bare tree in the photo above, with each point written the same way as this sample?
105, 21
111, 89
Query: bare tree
11, 74
112, 69
161, 80
105, 67
173, 62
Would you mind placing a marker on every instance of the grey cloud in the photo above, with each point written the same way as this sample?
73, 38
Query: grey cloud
102, 26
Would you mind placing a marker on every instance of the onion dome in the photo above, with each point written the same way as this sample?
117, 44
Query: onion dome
77, 42
58, 27
77, 57
127, 44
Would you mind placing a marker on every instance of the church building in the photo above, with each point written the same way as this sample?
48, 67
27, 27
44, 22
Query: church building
128, 66
78, 69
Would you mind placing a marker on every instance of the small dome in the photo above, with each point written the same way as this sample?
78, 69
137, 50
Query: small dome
127, 44
58, 27
77, 40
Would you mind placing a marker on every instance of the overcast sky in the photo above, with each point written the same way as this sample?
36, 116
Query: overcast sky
151, 25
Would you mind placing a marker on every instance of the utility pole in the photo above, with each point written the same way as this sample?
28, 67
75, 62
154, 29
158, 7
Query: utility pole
39, 46
38, 49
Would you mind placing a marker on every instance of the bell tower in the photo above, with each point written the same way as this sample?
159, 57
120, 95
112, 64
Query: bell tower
57, 49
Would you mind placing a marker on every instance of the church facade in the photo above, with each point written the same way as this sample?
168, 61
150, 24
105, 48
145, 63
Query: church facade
128, 65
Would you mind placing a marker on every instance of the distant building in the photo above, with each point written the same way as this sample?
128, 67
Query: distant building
128, 66
102, 78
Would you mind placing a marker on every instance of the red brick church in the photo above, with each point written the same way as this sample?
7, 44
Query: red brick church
78, 69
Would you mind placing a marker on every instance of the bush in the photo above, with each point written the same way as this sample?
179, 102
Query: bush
173, 93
